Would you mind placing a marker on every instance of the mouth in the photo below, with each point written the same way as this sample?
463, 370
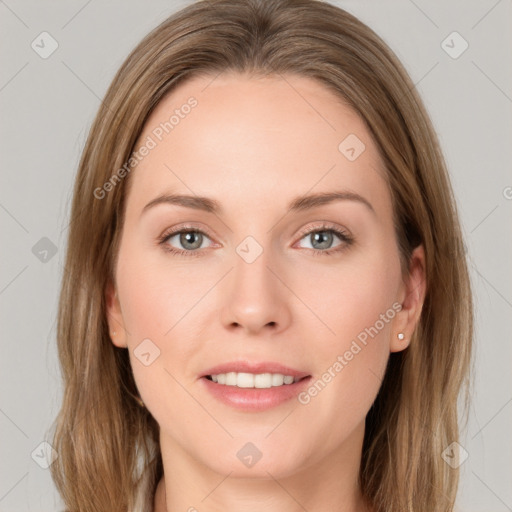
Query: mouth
254, 386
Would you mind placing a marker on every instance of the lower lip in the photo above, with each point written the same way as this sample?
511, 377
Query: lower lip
255, 399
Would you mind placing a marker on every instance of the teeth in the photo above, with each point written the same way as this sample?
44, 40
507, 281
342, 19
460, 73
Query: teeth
231, 379
277, 379
251, 380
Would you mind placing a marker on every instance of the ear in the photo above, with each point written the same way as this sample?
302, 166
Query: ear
114, 316
412, 296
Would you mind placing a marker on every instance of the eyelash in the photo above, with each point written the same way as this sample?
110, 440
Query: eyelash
342, 235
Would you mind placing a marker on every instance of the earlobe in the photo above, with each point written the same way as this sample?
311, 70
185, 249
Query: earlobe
114, 316
399, 342
414, 291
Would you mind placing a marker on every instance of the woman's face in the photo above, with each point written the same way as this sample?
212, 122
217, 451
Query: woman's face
260, 264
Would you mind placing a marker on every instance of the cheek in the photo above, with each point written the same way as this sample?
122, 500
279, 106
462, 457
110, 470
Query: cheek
159, 307
158, 293
355, 305
352, 299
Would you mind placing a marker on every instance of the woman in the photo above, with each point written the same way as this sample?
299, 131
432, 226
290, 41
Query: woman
210, 360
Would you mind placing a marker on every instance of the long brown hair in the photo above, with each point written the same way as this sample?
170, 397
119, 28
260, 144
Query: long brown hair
107, 444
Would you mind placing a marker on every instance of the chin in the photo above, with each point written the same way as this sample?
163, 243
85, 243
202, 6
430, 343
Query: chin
256, 459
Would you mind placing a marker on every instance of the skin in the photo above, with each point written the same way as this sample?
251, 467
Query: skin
254, 144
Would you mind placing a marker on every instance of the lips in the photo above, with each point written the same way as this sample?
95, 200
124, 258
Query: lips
242, 395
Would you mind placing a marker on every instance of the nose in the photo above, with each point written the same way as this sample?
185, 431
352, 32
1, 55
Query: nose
255, 298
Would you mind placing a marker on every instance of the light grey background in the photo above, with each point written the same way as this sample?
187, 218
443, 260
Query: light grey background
47, 106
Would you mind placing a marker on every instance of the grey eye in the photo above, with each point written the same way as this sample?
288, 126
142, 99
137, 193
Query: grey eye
188, 239
321, 239
324, 239
191, 239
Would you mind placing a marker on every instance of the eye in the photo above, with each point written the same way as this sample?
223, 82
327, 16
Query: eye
322, 238
187, 240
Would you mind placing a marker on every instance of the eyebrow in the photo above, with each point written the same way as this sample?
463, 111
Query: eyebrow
301, 203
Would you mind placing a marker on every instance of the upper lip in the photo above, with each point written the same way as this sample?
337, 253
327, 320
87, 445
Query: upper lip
254, 367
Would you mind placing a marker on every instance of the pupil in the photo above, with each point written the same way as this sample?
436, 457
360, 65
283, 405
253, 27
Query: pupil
324, 238
185, 240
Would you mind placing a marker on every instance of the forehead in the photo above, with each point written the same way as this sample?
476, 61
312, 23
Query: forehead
262, 140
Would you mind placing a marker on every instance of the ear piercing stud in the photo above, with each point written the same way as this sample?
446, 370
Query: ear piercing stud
400, 336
